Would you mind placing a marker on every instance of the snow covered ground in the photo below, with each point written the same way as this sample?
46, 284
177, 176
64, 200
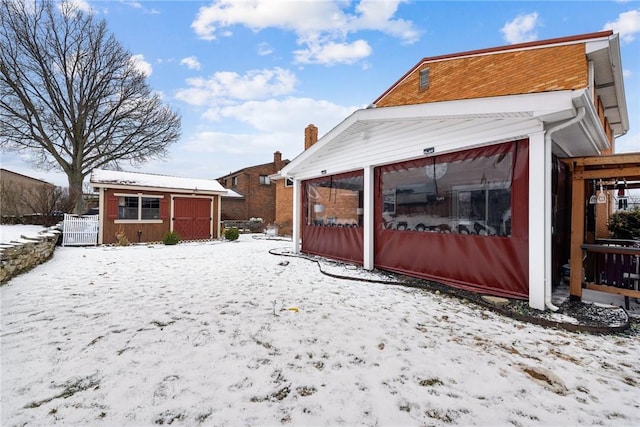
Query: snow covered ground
9, 233
227, 334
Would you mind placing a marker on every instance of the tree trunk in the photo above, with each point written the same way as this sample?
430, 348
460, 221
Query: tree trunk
75, 192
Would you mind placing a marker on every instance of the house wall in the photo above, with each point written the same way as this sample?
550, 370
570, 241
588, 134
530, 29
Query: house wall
284, 194
259, 200
151, 232
234, 208
284, 207
19, 193
507, 73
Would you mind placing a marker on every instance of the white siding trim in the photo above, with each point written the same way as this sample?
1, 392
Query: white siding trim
151, 196
368, 232
296, 216
101, 215
537, 256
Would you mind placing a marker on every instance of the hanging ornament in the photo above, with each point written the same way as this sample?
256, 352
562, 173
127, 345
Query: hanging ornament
622, 197
602, 197
593, 199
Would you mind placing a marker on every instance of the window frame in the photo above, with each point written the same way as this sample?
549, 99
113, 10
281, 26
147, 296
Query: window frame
264, 180
424, 78
139, 220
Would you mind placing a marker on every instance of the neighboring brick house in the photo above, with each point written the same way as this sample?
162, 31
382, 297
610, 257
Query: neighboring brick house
284, 189
258, 194
457, 166
21, 194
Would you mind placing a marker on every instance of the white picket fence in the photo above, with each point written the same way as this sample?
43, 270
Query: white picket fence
80, 230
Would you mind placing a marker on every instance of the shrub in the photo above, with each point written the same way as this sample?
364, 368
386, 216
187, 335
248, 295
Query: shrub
231, 234
171, 238
625, 224
121, 237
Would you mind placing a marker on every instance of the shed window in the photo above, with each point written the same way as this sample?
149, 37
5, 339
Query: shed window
138, 207
424, 79
150, 208
264, 180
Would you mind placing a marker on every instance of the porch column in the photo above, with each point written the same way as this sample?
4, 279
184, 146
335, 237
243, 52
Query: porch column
577, 234
296, 222
537, 208
368, 205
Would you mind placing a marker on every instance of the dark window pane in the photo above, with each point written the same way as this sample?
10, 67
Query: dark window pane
128, 207
150, 208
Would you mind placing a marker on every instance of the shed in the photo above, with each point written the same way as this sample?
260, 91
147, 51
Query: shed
147, 206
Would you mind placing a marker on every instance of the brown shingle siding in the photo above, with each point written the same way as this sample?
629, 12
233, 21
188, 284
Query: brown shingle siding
497, 74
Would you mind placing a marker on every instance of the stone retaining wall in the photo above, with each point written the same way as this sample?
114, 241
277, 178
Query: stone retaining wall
25, 253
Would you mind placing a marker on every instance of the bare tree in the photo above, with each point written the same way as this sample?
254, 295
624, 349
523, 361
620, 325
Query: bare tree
34, 204
71, 96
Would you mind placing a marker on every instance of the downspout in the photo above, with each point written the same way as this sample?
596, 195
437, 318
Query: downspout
548, 203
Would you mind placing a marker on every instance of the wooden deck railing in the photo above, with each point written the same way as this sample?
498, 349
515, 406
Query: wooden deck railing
612, 269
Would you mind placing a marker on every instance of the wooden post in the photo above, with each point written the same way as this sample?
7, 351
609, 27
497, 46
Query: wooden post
577, 235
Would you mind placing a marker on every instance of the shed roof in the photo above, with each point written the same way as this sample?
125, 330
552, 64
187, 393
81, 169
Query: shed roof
122, 179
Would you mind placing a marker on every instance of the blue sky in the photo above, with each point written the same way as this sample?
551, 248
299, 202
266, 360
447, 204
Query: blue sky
248, 77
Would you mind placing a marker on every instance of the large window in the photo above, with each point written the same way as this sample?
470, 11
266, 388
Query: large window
138, 207
466, 196
335, 201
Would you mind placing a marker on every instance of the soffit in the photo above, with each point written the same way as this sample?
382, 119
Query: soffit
609, 84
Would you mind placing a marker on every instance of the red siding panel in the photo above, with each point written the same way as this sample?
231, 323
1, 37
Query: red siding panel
164, 208
492, 264
112, 207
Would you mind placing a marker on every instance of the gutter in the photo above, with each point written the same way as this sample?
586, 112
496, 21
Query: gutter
547, 201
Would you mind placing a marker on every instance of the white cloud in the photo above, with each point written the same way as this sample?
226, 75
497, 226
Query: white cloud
521, 29
269, 126
627, 25
332, 53
70, 7
138, 5
255, 84
264, 49
83, 5
142, 65
277, 116
191, 62
323, 22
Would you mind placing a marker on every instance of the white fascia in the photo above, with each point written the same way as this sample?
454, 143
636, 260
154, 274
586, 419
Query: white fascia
548, 106
590, 124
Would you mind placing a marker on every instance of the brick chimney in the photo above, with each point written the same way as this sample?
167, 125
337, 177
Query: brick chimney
277, 160
310, 136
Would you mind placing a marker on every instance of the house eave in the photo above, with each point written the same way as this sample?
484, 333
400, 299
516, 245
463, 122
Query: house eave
533, 109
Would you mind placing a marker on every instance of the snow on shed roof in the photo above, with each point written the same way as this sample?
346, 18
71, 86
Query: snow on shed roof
232, 193
104, 178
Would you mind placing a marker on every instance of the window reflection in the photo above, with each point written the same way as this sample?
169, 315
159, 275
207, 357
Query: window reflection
335, 201
470, 196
